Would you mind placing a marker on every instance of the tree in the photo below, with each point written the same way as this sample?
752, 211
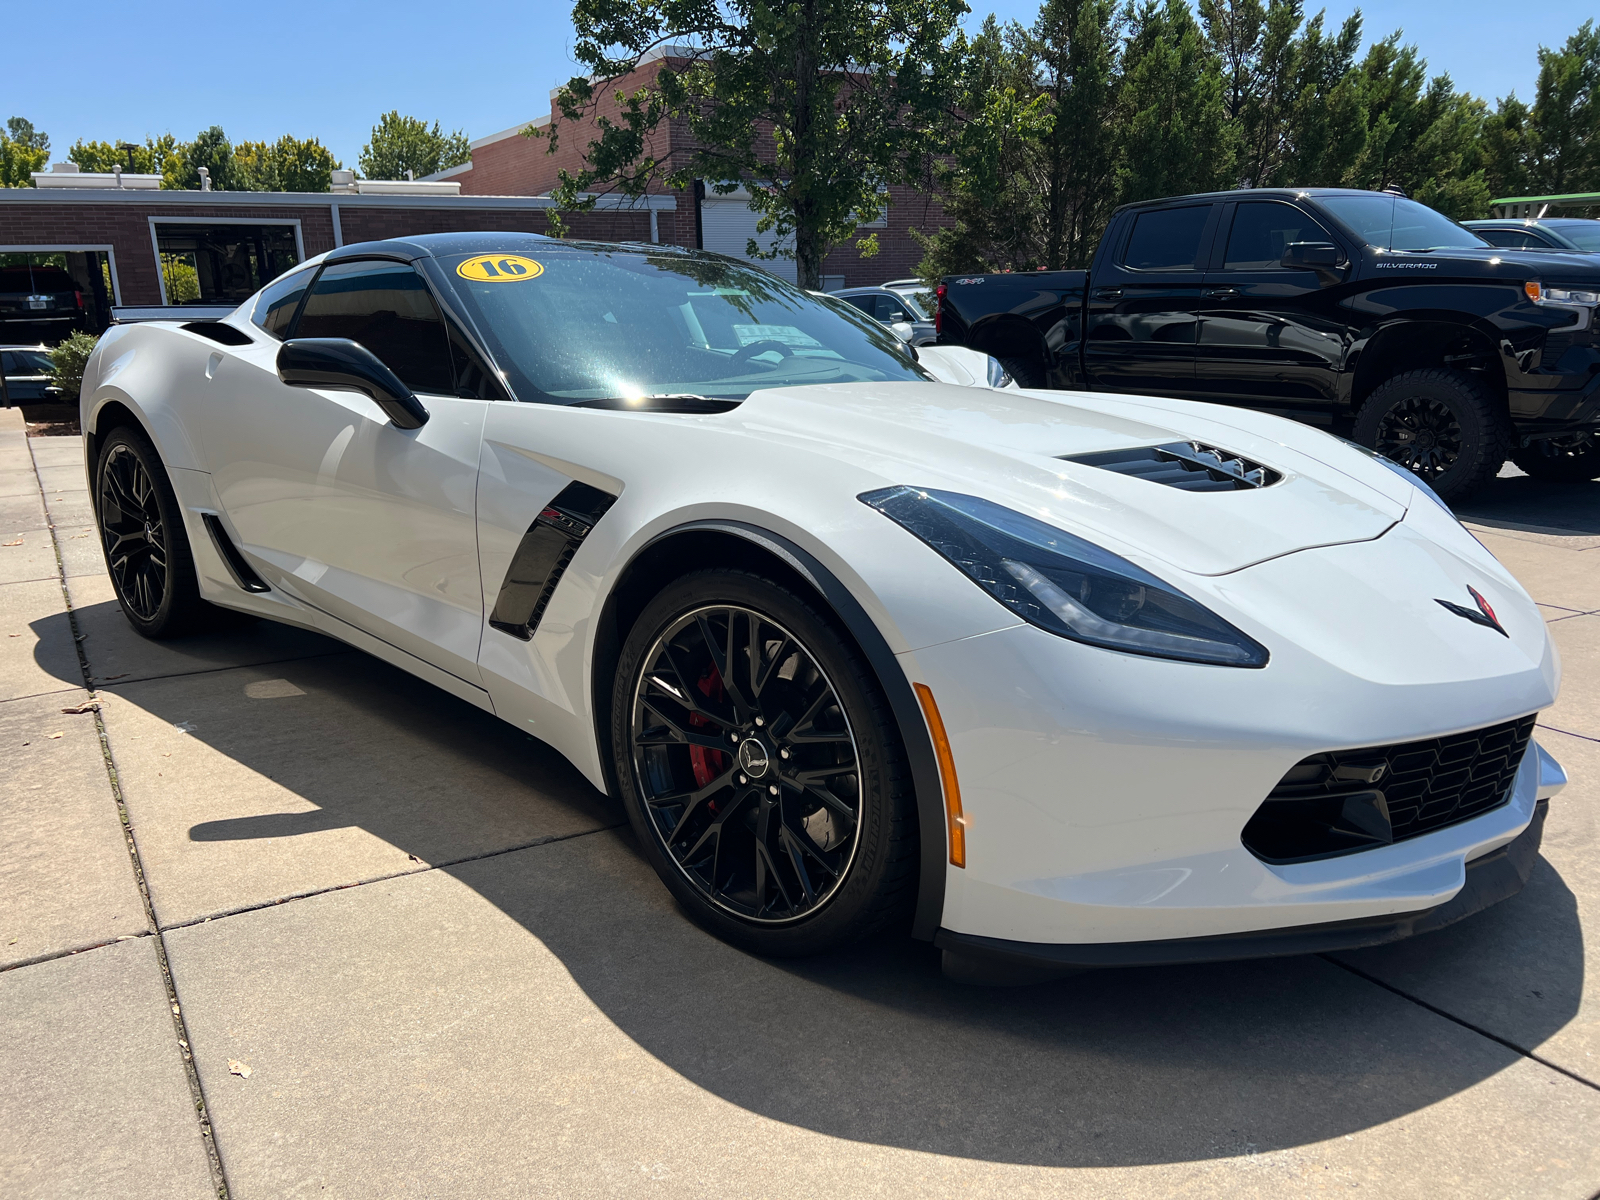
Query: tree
23, 150
1562, 147
211, 150
152, 158
400, 144
1175, 137
287, 165
814, 106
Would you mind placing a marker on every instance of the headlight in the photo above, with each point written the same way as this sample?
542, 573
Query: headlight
999, 377
1543, 293
1064, 584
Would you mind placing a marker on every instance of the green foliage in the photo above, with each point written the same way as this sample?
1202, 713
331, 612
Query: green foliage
813, 106
287, 165
180, 278
69, 358
152, 158
23, 150
1175, 138
400, 144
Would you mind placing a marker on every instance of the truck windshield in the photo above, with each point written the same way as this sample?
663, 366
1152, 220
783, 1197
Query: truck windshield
1395, 223
572, 324
1585, 235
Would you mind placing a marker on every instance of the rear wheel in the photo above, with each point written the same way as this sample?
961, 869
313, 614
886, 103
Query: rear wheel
1443, 426
760, 767
1563, 458
142, 534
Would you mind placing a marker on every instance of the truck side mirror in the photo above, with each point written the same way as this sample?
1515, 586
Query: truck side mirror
1326, 259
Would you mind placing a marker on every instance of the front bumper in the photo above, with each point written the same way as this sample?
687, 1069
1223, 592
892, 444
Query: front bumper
1491, 878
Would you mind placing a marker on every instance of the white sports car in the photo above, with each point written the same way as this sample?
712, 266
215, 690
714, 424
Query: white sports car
1056, 680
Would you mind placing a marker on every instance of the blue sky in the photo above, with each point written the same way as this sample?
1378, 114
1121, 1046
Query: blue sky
328, 69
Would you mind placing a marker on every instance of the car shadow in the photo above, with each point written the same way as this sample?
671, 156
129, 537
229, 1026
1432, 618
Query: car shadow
1113, 1068
1520, 502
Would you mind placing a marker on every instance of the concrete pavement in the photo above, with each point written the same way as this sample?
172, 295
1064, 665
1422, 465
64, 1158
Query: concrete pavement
411, 951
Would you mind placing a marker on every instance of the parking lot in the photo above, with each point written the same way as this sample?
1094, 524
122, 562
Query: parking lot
279, 918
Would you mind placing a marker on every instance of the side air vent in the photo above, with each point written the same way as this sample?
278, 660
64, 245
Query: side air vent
227, 335
241, 571
1187, 465
543, 555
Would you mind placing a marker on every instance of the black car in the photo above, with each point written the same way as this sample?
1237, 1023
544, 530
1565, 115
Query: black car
1364, 311
1578, 234
29, 377
43, 296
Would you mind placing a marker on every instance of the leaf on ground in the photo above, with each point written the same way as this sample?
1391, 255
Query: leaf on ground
18, 542
242, 1070
77, 710
52, 735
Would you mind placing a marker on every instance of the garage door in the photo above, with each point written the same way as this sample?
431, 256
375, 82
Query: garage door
727, 224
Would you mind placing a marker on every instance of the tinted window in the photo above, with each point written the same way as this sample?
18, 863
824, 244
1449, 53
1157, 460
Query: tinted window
1511, 239
1168, 240
1262, 230
275, 306
864, 303
387, 308
1395, 223
1585, 235
573, 324
28, 362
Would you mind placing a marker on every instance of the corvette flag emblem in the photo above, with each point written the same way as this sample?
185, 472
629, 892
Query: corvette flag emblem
1482, 615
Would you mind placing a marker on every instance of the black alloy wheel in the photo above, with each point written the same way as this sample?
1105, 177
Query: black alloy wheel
1444, 426
761, 768
133, 531
1561, 458
142, 534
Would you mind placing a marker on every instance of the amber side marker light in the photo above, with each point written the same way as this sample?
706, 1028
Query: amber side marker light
947, 775
1532, 290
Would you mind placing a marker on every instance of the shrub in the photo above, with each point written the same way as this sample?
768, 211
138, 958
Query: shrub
69, 359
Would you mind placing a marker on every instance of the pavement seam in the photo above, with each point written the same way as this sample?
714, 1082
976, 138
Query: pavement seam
1465, 1024
360, 883
180, 1027
1582, 737
126, 680
52, 955
73, 687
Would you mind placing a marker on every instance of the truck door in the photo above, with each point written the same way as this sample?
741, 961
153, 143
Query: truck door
1266, 334
1142, 314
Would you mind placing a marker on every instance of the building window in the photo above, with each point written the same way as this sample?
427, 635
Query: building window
222, 263
47, 294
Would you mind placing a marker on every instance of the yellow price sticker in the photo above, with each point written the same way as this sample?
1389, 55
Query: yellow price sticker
500, 268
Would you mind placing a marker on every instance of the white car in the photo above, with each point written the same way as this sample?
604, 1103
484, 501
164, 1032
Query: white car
1056, 680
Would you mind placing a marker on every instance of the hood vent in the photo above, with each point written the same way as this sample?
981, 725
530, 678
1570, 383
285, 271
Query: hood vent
1187, 465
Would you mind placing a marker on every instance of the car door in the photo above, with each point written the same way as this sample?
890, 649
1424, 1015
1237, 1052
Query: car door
1140, 330
334, 504
1267, 334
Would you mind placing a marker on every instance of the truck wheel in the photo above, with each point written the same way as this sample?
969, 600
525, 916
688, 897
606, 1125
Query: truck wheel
1443, 426
1028, 372
1564, 458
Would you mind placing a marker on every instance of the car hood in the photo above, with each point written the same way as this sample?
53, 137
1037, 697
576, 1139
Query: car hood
1493, 262
1014, 447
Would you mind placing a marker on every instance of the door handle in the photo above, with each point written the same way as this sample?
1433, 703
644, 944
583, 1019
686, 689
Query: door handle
1108, 293
1222, 293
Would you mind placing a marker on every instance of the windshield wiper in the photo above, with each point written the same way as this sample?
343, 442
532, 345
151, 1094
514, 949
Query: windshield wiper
673, 402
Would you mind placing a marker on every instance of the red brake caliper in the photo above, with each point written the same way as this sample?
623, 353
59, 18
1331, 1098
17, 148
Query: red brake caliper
707, 763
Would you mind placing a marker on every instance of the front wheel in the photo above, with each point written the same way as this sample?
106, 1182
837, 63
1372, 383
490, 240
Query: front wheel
1443, 426
761, 768
1561, 458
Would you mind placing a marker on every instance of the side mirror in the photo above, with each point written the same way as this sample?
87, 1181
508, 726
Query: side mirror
349, 366
903, 331
1326, 259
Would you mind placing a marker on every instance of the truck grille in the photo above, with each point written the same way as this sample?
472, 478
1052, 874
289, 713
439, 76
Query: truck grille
1347, 800
1187, 465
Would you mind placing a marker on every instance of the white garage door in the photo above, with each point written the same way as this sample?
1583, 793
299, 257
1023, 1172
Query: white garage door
727, 224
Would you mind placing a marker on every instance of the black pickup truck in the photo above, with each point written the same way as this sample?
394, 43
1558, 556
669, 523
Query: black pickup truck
1365, 311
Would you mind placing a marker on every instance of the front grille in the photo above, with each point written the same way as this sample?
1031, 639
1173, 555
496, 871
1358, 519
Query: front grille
1348, 800
1189, 466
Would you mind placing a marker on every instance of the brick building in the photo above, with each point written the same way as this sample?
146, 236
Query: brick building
132, 248
512, 163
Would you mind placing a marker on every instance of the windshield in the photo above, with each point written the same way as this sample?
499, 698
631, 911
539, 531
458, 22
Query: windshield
572, 324
921, 304
1585, 235
1395, 223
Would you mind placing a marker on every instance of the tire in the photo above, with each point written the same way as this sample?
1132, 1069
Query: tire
791, 829
1444, 426
142, 536
1028, 372
1564, 458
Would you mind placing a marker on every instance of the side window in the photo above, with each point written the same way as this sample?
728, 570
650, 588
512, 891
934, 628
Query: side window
1167, 239
864, 303
388, 309
1261, 229
276, 304
475, 380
